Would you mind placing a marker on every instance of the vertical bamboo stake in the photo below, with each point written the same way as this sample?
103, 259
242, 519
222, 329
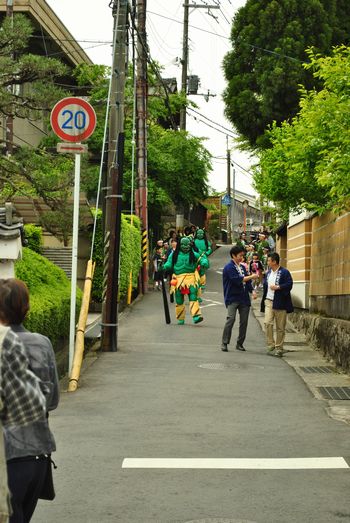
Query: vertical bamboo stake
79, 339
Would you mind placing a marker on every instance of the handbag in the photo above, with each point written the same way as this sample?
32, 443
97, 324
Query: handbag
48, 490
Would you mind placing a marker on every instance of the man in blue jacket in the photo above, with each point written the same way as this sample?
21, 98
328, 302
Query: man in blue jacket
237, 288
276, 303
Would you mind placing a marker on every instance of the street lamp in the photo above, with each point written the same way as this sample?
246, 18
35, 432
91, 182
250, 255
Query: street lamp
245, 204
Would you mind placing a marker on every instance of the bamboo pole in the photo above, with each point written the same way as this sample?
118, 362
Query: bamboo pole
79, 339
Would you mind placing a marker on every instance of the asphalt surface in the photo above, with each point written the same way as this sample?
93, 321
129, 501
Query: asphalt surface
169, 392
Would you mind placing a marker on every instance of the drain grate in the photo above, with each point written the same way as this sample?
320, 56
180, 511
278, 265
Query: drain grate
335, 393
317, 370
296, 343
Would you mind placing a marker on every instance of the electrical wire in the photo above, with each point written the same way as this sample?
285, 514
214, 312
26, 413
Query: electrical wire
211, 126
212, 121
156, 71
227, 38
104, 145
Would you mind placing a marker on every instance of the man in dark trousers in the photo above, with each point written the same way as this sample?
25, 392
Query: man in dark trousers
276, 303
237, 289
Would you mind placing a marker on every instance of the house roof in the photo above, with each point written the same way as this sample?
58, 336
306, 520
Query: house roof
55, 37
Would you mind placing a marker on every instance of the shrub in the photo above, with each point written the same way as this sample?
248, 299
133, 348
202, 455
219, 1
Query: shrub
34, 237
213, 229
130, 256
49, 290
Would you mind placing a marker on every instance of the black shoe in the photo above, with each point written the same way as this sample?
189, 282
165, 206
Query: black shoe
240, 347
224, 347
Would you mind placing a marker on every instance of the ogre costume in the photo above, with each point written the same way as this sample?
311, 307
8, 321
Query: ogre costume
203, 245
184, 264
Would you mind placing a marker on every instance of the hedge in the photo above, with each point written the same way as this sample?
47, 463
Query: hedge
130, 256
34, 236
49, 290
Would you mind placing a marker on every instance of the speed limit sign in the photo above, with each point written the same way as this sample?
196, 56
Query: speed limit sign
73, 119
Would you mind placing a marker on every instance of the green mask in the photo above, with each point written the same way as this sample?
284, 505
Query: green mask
200, 234
185, 245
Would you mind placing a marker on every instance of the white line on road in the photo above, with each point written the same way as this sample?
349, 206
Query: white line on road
221, 463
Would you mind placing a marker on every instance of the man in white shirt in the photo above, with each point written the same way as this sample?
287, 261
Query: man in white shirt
276, 303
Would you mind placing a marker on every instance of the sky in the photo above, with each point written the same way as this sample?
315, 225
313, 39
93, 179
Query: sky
91, 24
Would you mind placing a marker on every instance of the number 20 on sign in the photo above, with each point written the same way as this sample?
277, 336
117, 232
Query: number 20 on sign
73, 119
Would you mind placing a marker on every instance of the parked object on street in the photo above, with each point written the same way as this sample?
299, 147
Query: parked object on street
28, 448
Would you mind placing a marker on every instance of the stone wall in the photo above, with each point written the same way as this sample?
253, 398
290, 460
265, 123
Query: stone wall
329, 335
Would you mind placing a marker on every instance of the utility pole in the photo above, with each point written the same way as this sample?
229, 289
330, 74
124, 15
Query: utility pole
141, 136
9, 119
184, 61
233, 205
114, 179
228, 192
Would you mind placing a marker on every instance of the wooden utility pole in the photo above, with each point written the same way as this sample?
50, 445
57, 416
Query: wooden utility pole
228, 192
114, 179
141, 136
184, 61
9, 119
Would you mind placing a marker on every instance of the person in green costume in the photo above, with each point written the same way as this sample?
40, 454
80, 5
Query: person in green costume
184, 264
203, 245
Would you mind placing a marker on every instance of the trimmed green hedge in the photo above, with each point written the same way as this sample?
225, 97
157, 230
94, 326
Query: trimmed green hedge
34, 237
130, 256
49, 290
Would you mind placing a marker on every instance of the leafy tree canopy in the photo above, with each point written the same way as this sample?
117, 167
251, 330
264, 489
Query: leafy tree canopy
178, 163
308, 165
19, 69
265, 67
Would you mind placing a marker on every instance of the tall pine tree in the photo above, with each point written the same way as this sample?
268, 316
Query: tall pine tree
264, 68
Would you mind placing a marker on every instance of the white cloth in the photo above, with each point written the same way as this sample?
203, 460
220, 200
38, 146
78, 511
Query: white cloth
271, 280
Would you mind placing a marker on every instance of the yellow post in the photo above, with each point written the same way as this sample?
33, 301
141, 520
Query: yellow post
79, 339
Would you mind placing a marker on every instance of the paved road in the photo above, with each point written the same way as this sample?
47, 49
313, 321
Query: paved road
168, 394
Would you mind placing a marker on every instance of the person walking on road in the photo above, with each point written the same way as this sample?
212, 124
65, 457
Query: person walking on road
237, 289
28, 448
276, 303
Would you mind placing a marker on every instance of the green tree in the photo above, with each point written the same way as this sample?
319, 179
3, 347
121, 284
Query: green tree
265, 67
178, 163
308, 165
28, 90
27, 81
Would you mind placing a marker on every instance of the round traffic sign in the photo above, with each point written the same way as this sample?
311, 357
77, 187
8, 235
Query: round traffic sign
73, 119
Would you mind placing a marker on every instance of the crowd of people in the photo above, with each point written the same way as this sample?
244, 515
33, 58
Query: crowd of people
182, 259
254, 265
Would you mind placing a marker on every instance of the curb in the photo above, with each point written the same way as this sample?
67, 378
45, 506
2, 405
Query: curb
300, 355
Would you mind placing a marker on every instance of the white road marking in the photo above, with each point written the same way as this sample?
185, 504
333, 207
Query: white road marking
219, 272
230, 463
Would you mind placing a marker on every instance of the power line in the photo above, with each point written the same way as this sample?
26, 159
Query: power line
227, 38
212, 121
156, 71
212, 127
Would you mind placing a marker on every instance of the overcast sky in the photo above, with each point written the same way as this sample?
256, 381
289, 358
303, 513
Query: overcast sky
91, 22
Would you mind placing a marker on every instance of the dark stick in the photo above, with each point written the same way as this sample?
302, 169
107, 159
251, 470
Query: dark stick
165, 302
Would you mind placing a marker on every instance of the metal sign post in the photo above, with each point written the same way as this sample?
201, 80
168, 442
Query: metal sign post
73, 120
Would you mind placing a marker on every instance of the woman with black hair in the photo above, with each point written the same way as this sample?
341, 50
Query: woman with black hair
28, 448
